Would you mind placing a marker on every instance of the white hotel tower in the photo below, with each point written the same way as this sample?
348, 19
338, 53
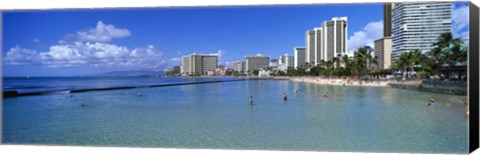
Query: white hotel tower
418, 26
326, 42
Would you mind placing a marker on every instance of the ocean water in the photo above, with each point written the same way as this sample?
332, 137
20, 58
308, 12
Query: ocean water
219, 116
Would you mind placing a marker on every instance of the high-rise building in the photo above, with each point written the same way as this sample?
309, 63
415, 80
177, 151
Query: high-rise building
319, 44
383, 46
286, 60
256, 62
387, 19
326, 42
299, 57
239, 66
417, 26
199, 64
310, 47
383, 52
335, 38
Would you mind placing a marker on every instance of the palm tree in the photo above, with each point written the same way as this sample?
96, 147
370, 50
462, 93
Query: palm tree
374, 61
336, 61
345, 60
402, 63
415, 58
361, 59
447, 51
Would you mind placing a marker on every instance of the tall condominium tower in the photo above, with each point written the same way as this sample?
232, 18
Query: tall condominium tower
318, 44
299, 57
310, 47
198, 64
416, 26
256, 62
335, 38
387, 19
326, 42
286, 60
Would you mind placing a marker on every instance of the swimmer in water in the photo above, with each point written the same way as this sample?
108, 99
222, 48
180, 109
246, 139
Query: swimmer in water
251, 100
83, 105
284, 96
431, 101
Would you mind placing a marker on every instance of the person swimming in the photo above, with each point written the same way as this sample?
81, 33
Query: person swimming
83, 105
251, 100
284, 96
322, 96
431, 101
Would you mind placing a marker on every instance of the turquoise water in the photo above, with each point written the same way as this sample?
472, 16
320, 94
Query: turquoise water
218, 115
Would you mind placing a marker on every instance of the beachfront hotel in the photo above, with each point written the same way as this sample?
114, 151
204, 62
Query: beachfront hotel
383, 52
299, 57
198, 64
418, 25
310, 47
326, 42
286, 60
239, 66
256, 62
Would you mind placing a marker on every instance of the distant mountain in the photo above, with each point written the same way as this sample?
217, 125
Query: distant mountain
133, 73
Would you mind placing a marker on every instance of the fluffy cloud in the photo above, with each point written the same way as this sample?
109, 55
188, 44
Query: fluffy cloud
21, 56
101, 33
365, 37
460, 21
88, 54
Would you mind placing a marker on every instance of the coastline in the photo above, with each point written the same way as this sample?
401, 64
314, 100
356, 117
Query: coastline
341, 82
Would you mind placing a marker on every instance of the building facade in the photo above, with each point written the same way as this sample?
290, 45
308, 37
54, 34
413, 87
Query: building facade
256, 62
286, 60
326, 42
239, 66
417, 26
299, 57
387, 19
383, 52
310, 47
198, 64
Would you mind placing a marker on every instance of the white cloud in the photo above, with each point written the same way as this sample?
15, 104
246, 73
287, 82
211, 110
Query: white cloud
101, 33
21, 56
88, 54
219, 53
460, 21
365, 37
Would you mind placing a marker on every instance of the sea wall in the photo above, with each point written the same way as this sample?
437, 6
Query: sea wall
445, 87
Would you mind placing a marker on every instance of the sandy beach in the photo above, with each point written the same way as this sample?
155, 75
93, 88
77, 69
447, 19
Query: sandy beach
341, 82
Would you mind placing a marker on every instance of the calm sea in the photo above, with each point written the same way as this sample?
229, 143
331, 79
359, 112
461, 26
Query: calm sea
218, 115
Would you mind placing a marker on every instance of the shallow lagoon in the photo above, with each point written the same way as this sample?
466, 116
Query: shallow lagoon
371, 119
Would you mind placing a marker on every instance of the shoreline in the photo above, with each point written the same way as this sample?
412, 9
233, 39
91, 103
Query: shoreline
341, 82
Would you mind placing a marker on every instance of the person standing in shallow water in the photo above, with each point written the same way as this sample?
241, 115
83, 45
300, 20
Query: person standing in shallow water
251, 100
284, 96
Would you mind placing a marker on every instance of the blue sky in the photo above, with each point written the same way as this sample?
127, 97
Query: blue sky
86, 42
